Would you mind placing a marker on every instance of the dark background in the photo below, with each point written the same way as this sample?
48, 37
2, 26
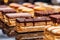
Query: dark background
17, 1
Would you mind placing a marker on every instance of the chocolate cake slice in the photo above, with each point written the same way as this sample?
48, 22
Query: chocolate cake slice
41, 20
29, 22
55, 18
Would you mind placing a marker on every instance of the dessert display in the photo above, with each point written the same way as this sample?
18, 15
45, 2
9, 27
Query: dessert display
29, 21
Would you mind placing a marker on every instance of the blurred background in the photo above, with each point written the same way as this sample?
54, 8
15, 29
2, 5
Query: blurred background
32, 1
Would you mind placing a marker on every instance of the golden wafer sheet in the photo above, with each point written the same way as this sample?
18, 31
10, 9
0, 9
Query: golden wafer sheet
11, 22
29, 24
30, 29
1, 17
20, 24
40, 23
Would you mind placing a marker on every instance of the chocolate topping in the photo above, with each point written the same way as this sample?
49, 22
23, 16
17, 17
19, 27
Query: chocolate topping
55, 16
29, 20
39, 19
20, 20
18, 15
7, 10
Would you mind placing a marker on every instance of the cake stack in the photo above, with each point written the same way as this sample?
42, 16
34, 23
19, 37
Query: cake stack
52, 33
30, 20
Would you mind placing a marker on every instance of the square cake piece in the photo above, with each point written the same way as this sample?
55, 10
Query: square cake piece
12, 17
52, 33
6, 10
55, 19
29, 22
20, 22
38, 21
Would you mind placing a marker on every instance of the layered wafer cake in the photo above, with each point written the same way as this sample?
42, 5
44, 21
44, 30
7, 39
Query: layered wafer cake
3, 12
52, 33
14, 5
46, 10
29, 22
2, 6
30, 36
25, 22
25, 27
55, 19
40, 9
32, 23
20, 22
29, 27
41, 21
13, 16
43, 11
6, 10
11, 22
26, 10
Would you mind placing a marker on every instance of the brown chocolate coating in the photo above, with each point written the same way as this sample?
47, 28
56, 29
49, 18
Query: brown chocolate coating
7, 10
55, 18
45, 13
29, 20
20, 20
40, 19
41, 13
19, 15
37, 19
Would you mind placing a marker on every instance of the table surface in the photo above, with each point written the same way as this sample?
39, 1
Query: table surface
5, 37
